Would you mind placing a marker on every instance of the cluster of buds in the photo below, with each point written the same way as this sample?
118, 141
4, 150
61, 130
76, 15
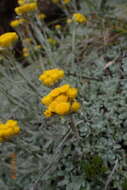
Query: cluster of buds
8, 129
61, 101
50, 77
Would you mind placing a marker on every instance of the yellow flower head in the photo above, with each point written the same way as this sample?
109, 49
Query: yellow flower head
75, 106
25, 8
11, 123
50, 77
80, 18
52, 41
46, 100
17, 22
52, 106
7, 39
25, 52
41, 16
62, 108
64, 88
9, 129
47, 113
55, 92
57, 26
72, 93
61, 98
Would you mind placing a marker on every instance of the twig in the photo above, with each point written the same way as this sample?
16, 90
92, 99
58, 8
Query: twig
74, 128
111, 175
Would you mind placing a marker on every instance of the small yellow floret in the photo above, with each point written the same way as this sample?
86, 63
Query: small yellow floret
52, 41
16, 23
11, 123
58, 27
25, 8
52, 106
47, 113
80, 18
50, 77
46, 100
72, 93
41, 16
55, 92
48, 81
7, 39
61, 98
25, 52
64, 88
21, 2
75, 106
16, 130
62, 108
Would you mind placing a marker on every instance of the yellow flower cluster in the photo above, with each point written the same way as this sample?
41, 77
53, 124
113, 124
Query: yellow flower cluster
61, 101
8, 129
80, 18
25, 8
50, 77
17, 22
7, 39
